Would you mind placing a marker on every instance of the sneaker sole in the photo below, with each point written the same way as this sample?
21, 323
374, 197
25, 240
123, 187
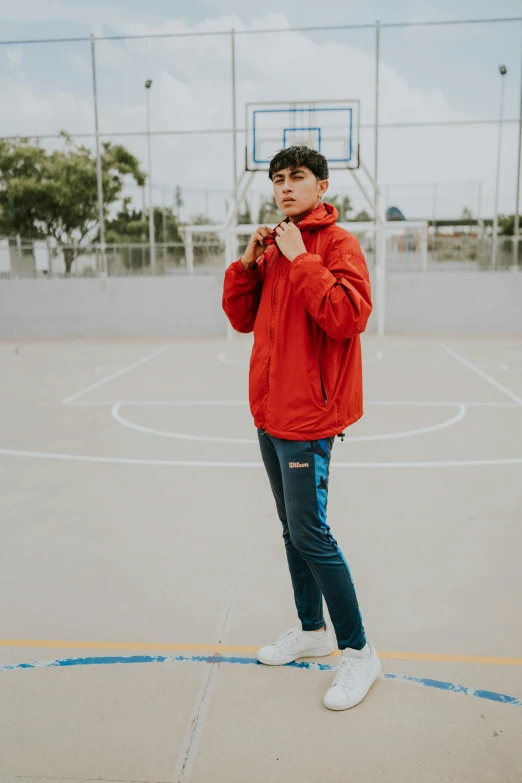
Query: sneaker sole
349, 704
316, 653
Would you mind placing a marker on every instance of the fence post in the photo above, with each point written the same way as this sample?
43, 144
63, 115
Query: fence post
515, 253
376, 137
49, 258
380, 275
164, 226
424, 247
229, 258
189, 251
19, 254
233, 244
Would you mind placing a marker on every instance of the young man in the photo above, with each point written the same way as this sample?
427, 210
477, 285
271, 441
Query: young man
305, 292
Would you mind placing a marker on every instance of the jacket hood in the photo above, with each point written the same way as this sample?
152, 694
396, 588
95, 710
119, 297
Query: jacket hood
321, 216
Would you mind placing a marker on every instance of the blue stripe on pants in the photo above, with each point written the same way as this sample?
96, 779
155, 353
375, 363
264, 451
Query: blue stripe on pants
298, 472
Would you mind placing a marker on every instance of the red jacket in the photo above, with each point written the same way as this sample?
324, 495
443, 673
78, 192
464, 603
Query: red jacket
305, 371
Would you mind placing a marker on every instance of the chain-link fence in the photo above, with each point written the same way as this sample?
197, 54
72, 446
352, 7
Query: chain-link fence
25, 259
204, 251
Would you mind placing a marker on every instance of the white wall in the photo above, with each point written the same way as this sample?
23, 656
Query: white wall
141, 307
467, 303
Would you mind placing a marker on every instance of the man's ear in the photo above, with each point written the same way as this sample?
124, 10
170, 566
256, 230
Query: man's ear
323, 186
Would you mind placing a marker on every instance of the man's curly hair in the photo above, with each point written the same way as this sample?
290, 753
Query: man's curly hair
293, 157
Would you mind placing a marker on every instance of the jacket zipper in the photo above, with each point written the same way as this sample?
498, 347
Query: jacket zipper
274, 300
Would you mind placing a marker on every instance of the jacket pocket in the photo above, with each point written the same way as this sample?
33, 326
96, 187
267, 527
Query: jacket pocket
324, 393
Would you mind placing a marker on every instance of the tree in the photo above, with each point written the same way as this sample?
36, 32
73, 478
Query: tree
55, 194
128, 225
342, 204
244, 217
203, 220
362, 217
466, 215
506, 225
200, 220
268, 212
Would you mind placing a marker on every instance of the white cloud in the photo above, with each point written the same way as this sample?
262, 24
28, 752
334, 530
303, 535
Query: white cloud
14, 58
58, 11
111, 55
29, 111
191, 89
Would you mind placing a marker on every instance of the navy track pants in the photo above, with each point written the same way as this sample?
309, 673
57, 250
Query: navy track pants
298, 472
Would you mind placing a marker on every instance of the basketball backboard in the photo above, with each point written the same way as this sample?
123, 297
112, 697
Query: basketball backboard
330, 127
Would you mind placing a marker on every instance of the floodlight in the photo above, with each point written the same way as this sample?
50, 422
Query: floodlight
502, 69
148, 83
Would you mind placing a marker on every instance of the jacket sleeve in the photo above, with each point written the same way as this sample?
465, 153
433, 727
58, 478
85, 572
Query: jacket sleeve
335, 289
241, 294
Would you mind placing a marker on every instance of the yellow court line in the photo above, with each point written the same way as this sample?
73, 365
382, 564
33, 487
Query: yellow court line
239, 648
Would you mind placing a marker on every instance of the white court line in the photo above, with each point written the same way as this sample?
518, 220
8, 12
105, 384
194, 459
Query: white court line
223, 357
441, 404
493, 367
207, 464
412, 433
482, 374
244, 403
376, 358
115, 412
175, 403
107, 368
115, 375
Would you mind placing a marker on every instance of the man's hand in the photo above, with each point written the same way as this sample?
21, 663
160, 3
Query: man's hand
255, 247
289, 241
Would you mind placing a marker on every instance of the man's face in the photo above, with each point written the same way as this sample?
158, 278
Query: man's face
297, 191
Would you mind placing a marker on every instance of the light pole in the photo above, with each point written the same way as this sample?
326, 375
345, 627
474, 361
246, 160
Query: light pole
517, 198
99, 179
376, 137
502, 70
148, 85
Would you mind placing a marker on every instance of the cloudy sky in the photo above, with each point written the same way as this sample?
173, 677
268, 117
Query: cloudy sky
441, 73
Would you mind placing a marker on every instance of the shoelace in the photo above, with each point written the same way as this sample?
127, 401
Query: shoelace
287, 637
347, 673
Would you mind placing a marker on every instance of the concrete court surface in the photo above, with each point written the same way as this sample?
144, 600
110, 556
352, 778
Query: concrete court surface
141, 565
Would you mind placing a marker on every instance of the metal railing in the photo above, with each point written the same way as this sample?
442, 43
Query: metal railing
205, 250
28, 259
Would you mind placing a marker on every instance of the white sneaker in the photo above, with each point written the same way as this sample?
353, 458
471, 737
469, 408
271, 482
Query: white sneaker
355, 676
295, 644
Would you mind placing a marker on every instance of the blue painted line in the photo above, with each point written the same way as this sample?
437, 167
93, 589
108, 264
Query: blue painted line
450, 687
286, 131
